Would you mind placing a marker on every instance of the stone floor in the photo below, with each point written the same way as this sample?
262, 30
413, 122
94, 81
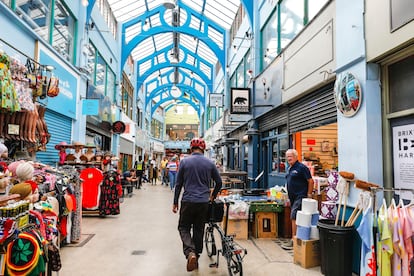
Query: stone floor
143, 240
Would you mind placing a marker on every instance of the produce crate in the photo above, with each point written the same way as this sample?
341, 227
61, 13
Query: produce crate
265, 207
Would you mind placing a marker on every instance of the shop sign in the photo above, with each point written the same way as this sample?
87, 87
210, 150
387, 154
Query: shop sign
65, 102
348, 94
118, 127
240, 101
403, 150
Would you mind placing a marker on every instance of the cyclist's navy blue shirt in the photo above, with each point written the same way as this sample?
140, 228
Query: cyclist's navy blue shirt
297, 180
195, 174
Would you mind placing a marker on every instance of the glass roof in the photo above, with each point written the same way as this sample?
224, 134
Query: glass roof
221, 12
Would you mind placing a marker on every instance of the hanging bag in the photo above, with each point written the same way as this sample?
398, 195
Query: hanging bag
53, 87
215, 210
53, 255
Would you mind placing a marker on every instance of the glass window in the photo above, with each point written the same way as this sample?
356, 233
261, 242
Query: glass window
100, 74
291, 20
269, 39
91, 58
315, 7
240, 75
63, 30
401, 81
110, 85
7, 2
36, 14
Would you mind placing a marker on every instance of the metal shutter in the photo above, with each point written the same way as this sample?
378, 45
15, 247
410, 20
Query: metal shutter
273, 118
313, 110
60, 129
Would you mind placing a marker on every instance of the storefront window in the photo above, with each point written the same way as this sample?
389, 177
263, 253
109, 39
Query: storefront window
315, 6
63, 30
279, 147
240, 75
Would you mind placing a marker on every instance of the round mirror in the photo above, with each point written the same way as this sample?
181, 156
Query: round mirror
348, 94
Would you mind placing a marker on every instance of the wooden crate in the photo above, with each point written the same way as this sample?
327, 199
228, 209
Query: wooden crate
265, 225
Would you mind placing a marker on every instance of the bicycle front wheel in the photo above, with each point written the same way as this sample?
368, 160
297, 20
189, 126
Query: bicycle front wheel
235, 265
210, 242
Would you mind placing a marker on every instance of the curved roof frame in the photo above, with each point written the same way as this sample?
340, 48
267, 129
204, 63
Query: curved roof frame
185, 28
164, 92
187, 82
176, 101
208, 80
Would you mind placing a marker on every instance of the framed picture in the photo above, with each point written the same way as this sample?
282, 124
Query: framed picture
325, 146
240, 101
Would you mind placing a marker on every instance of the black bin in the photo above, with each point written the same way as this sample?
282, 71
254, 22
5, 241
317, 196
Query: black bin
336, 248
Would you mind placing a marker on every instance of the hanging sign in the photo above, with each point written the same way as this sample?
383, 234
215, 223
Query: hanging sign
118, 127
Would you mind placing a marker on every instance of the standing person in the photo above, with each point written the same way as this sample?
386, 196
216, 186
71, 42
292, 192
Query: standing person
299, 185
172, 167
139, 167
195, 175
164, 175
154, 171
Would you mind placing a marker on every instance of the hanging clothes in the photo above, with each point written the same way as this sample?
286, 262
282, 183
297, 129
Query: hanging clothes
109, 200
384, 243
368, 259
397, 240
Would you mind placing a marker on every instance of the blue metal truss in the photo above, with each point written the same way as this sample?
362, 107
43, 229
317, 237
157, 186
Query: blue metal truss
185, 28
183, 64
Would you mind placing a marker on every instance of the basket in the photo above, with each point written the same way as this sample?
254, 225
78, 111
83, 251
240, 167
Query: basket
215, 211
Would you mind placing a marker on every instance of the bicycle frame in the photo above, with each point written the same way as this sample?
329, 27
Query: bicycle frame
229, 248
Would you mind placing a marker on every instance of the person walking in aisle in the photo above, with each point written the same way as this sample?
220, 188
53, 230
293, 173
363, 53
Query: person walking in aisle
299, 185
172, 167
195, 175
164, 175
154, 171
139, 167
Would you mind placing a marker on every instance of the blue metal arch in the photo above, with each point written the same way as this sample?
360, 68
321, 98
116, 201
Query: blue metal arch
181, 100
248, 6
185, 28
183, 87
165, 51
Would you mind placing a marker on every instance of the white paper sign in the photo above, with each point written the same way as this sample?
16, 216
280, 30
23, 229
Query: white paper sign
403, 148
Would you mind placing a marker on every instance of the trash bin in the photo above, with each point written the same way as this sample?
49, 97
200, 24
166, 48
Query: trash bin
336, 248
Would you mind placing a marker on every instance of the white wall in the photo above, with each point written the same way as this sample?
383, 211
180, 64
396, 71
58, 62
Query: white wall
310, 56
379, 39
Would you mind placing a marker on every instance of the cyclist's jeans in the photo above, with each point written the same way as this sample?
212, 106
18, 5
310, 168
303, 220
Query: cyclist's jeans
192, 215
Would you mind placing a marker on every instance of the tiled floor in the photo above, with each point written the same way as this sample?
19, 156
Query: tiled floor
143, 240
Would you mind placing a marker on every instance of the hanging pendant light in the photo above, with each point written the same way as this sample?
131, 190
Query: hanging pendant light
169, 4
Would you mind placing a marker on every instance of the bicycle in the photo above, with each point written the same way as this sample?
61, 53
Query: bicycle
230, 250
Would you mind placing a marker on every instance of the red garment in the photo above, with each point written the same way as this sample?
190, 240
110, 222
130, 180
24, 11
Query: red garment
92, 179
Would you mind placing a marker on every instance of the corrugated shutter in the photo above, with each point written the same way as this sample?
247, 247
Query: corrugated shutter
273, 118
126, 146
315, 109
60, 128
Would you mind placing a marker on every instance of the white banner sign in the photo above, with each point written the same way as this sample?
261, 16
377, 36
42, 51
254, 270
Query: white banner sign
403, 148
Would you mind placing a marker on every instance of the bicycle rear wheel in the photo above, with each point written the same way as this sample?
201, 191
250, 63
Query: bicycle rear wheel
235, 265
210, 242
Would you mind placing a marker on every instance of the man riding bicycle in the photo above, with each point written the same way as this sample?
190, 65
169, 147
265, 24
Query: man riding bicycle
195, 175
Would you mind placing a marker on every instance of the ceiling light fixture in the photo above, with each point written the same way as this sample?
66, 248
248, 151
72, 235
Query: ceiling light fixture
175, 91
85, 3
169, 4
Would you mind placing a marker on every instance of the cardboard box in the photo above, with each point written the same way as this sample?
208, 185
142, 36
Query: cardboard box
306, 253
237, 227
